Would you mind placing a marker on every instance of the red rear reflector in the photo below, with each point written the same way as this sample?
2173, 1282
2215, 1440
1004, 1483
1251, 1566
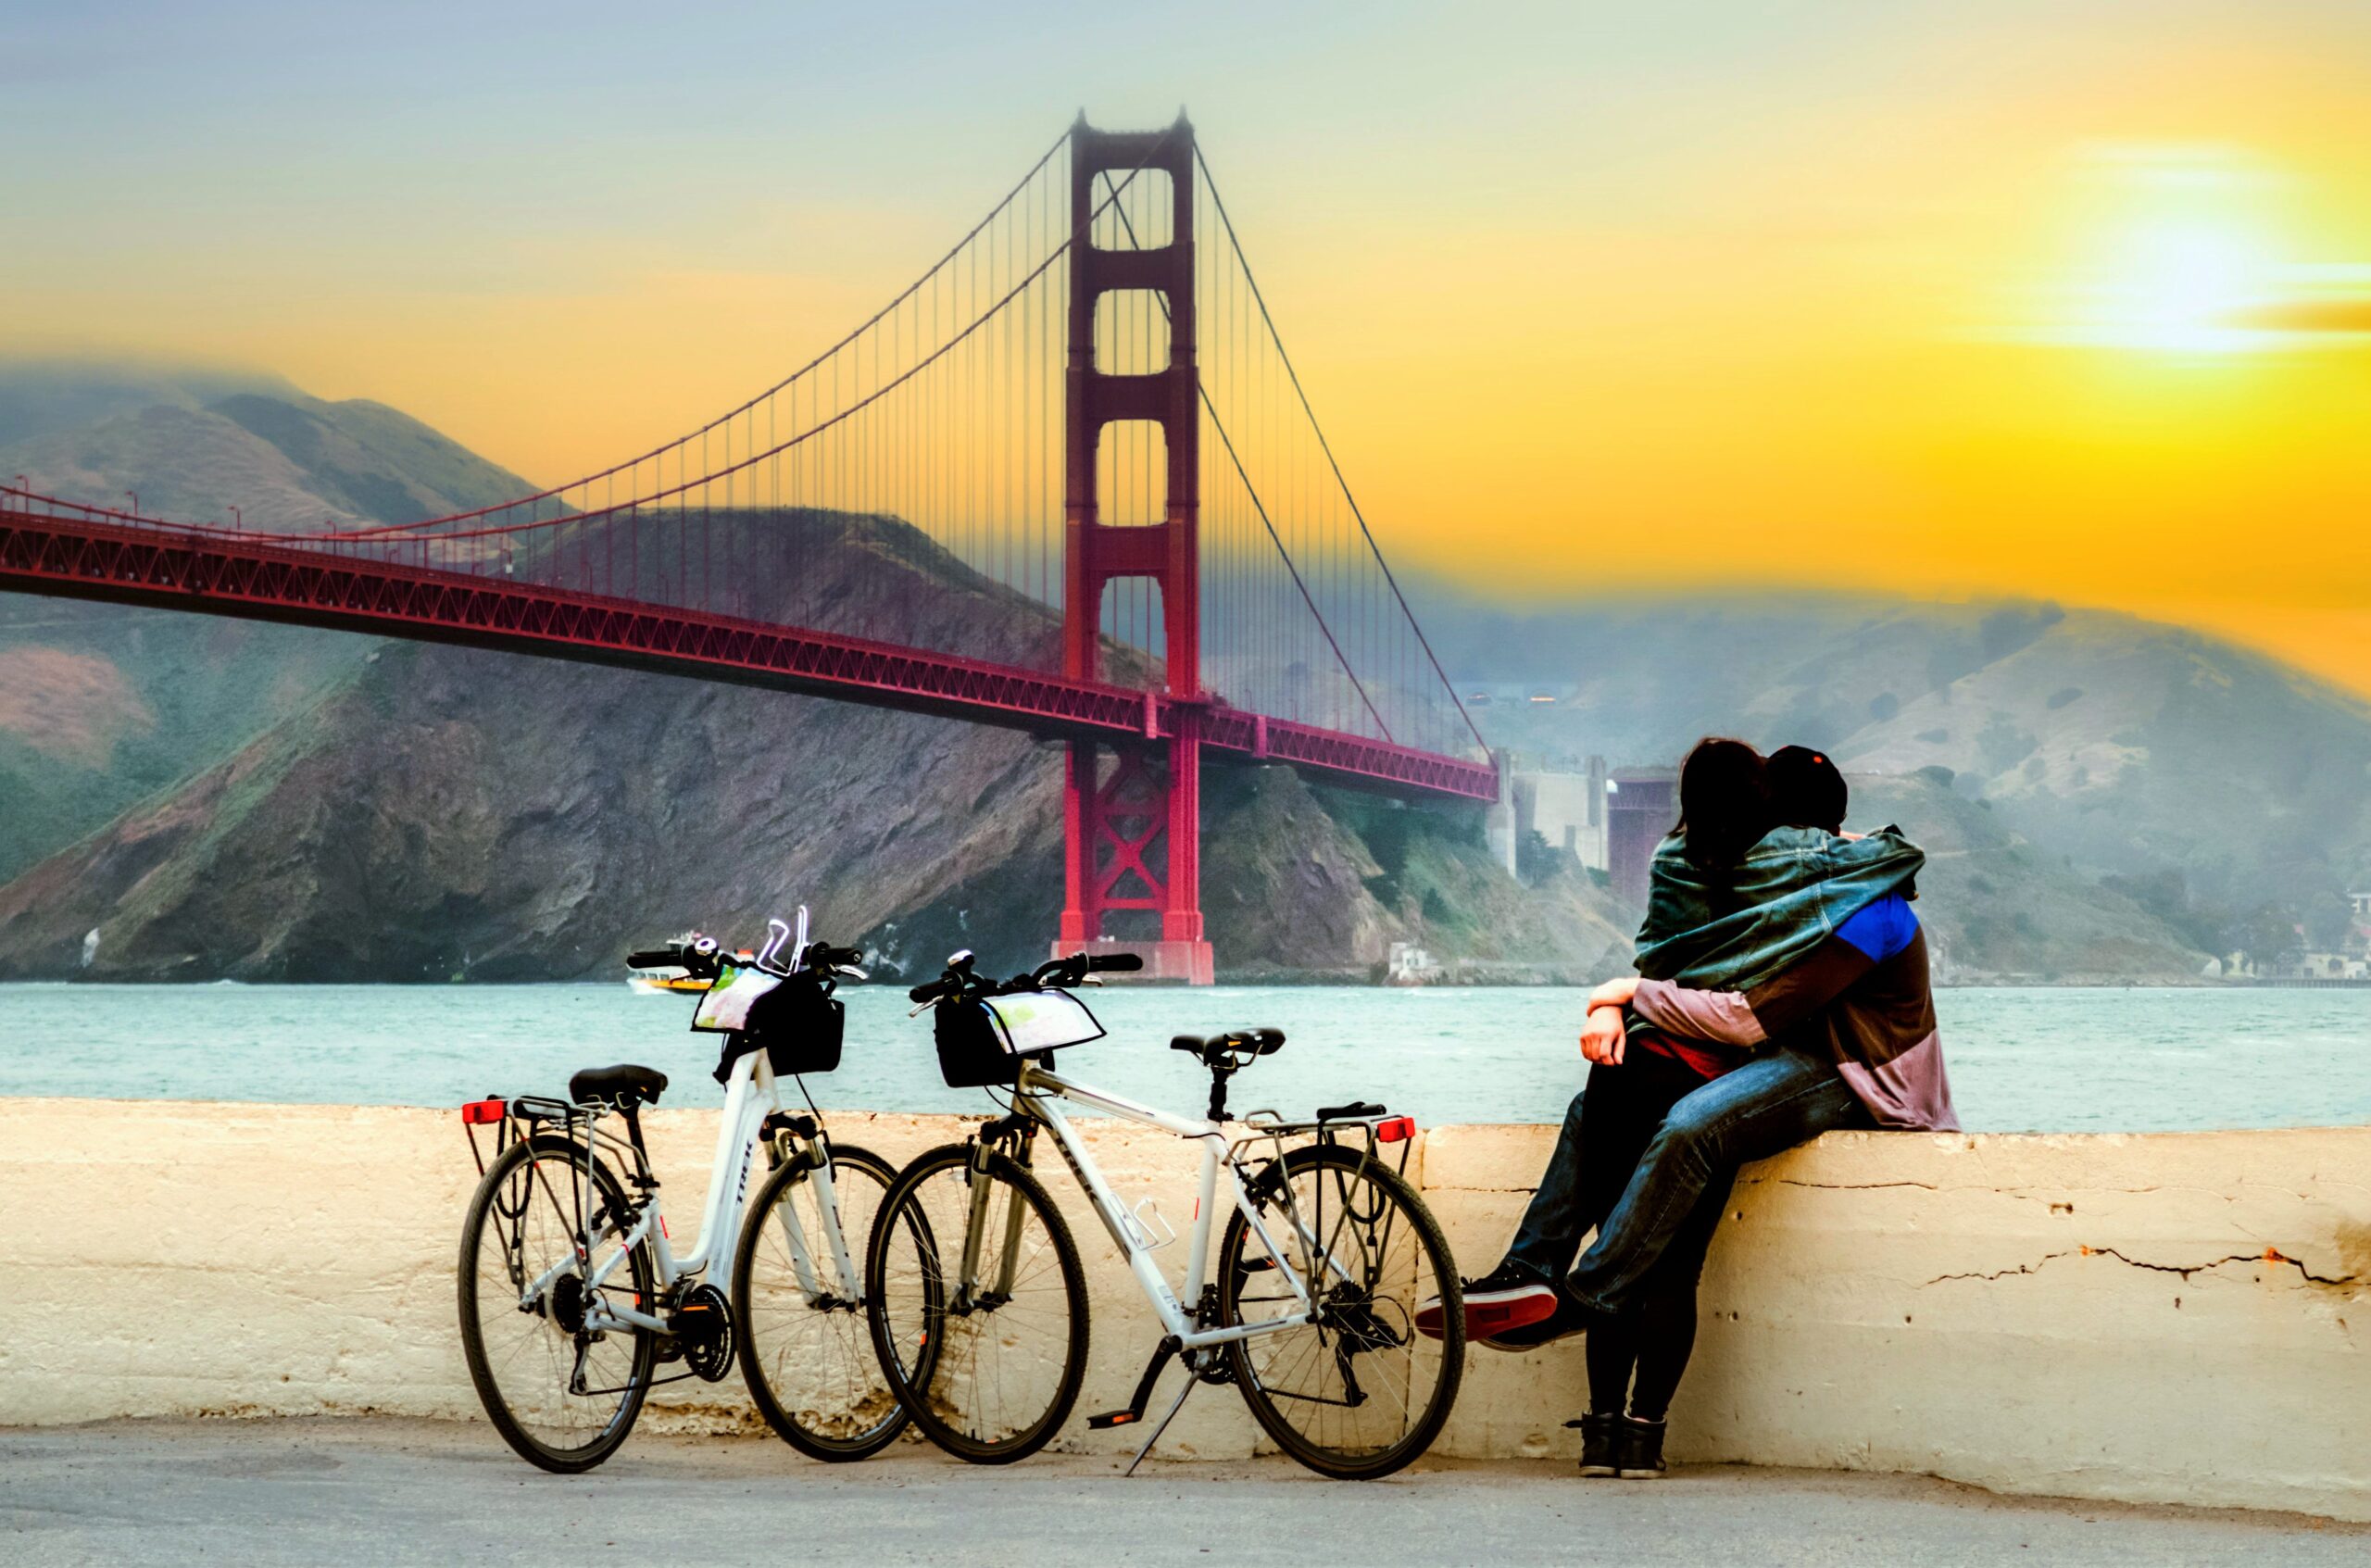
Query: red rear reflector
1395, 1129
478, 1112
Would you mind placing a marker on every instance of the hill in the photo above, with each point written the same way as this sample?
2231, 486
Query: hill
101, 705
2125, 748
435, 814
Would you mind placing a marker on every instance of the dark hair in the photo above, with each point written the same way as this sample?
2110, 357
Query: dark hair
1723, 801
1806, 789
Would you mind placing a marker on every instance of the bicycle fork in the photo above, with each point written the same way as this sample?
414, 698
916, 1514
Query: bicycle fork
977, 1232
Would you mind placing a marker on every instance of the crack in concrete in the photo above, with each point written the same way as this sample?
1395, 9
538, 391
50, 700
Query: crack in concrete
2269, 1255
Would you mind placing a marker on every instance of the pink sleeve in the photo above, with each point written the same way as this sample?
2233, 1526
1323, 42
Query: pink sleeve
1719, 1016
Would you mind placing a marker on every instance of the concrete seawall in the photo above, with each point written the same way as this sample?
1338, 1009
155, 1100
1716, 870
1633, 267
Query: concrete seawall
2174, 1317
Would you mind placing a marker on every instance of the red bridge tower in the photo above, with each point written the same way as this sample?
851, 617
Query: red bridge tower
1131, 814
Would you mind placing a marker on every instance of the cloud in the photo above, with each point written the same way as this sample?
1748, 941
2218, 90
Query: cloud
2324, 317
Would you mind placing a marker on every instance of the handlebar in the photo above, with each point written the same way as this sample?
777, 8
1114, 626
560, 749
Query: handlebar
1055, 974
702, 958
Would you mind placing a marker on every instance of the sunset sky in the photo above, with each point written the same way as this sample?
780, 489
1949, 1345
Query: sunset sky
2068, 299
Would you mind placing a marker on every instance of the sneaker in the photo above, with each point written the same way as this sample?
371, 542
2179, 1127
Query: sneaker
1638, 1449
1565, 1319
1508, 1297
1600, 1443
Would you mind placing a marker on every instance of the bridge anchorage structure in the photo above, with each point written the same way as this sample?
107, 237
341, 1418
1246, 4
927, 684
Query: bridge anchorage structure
879, 526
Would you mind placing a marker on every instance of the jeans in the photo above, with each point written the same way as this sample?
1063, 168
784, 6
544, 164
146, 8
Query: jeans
1780, 1099
1638, 1357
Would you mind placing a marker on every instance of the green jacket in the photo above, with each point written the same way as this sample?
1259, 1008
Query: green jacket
1735, 928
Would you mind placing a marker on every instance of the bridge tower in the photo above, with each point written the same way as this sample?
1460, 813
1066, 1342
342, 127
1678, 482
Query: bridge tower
1132, 813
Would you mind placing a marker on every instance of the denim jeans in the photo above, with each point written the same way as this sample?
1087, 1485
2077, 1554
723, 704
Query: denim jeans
1780, 1099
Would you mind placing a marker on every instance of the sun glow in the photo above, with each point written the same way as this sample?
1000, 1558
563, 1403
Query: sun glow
2184, 254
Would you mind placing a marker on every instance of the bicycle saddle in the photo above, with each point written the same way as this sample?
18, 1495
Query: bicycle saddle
622, 1086
1235, 1042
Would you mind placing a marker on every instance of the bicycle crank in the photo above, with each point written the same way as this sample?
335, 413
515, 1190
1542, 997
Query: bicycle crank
704, 1328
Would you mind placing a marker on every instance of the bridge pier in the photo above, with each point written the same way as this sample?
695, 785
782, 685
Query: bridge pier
1131, 815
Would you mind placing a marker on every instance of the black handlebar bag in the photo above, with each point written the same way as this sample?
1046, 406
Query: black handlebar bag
794, 1019
982, 1041
800, 1025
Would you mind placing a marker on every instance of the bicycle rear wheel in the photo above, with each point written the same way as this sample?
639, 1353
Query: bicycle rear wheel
1358, 1393
562, 1394
806, 1352
986, 1358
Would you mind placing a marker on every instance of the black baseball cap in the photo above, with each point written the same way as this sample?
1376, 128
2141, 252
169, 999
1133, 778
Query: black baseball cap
1806, 788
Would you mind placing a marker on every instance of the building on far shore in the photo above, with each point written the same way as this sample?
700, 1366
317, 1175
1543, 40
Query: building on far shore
1608, 819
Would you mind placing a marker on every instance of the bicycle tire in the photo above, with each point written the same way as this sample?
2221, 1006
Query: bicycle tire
910, 1310
487, 1369
1360, 1323
812, 1435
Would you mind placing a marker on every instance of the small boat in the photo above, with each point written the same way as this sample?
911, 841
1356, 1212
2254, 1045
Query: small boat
675, 980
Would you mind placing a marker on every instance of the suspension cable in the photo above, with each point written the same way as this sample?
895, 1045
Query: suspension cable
1219, 203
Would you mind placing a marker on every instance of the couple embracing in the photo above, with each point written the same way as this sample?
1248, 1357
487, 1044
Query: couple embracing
1782, 992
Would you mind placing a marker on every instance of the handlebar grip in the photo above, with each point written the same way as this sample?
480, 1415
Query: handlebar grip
839, 955
1117, 963
929, 992
654, 957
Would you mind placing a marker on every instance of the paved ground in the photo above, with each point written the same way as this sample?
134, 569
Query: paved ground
373, 1491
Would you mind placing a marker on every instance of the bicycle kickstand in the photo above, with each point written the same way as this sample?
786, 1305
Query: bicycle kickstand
1135, 1410
1193, 1381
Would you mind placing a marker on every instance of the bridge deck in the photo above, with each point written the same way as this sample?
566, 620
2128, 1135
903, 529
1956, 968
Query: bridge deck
219, 574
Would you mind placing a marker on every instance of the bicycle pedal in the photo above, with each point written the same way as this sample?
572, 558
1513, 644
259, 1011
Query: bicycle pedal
1110, 1419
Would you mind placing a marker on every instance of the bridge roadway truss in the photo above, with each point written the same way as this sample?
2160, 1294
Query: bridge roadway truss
76, 557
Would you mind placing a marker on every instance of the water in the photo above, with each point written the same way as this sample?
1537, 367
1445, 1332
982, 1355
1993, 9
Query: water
2043, 1059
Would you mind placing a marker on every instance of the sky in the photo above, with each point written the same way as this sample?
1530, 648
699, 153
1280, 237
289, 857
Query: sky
2066, 299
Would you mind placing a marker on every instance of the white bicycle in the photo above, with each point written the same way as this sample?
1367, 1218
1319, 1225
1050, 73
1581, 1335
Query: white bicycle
980, 1310
571, 1296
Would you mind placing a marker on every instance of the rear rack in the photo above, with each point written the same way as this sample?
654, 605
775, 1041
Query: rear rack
505, 1114
1374, 1126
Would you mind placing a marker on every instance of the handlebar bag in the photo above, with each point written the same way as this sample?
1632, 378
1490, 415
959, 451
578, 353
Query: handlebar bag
794, 1019
800, 1025
982, 1041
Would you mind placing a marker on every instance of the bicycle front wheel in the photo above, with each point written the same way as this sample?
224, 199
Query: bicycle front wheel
978, 1305
1358, 1393
563, 1392
806, 1352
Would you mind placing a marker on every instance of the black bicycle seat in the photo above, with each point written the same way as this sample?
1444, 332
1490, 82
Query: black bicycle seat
623, 1086
1235, 1042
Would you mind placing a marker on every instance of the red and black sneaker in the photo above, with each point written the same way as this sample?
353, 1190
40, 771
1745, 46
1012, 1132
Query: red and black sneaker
1508, 1297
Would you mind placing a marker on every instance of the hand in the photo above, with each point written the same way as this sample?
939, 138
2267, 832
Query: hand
1603, 1036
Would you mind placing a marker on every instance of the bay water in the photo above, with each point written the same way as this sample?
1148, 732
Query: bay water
2056, 1059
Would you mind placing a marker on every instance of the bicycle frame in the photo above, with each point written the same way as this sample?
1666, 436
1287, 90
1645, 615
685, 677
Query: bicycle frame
1037, 1093
752, 1097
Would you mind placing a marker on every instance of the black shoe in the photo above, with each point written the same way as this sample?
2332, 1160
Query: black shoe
1566, 1319
1600, 1443
1508, 1297
1638, 1449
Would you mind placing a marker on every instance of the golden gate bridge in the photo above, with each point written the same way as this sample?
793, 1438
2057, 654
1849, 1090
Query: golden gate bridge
1029, 529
